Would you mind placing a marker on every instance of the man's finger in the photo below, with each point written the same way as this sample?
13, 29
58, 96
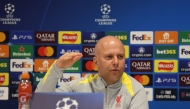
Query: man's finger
76, 58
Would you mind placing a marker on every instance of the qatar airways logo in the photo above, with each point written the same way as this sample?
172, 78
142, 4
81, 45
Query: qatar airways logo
141, 65
88, 51
45, 37
184, 79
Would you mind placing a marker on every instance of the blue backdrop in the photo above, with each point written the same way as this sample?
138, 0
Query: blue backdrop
73, 15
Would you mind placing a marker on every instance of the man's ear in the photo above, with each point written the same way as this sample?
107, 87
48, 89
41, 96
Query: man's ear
95, 61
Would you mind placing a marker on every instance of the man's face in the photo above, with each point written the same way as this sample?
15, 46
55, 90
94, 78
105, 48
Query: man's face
110, 62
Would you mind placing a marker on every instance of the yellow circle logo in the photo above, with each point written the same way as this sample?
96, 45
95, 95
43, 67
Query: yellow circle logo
2, 37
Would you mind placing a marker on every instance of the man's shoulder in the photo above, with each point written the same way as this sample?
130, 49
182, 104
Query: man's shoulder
131, 84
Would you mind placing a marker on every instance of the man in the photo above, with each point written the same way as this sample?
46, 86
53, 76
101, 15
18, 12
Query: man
121, 91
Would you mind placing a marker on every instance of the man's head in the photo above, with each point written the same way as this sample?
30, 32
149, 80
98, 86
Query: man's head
110, 59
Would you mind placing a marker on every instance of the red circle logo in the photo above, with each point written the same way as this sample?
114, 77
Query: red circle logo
143, 79
90, 66
45, 51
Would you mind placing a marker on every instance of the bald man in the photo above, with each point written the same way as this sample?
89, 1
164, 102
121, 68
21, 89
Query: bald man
121, 91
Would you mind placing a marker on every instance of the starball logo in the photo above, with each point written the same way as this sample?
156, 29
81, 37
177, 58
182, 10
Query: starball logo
105, 20
10, 20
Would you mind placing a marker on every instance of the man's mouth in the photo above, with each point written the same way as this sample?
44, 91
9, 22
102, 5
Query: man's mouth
115, 70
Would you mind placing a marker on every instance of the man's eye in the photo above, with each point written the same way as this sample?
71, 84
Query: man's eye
121, 57
108, 56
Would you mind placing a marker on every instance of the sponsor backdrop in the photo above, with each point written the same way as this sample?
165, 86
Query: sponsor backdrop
155, 34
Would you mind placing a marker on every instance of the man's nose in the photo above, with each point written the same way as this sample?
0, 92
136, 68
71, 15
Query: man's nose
115, 61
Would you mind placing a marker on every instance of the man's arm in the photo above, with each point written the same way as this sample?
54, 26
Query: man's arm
48, 83
55, 72
139, 101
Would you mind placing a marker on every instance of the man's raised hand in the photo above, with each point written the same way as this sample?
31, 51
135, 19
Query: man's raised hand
68, 59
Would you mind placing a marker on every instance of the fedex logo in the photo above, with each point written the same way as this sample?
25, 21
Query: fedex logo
19, 65
141, 37
67, 77
184, 51
22, 65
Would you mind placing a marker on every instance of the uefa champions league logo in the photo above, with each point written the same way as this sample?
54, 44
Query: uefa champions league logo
10, 9
105, 9
67, 103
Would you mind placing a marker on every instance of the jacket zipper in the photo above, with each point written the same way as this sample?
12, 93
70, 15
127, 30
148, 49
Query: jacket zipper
106, 95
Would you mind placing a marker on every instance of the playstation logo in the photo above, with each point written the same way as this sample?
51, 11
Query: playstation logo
159, 80
63, 51
15, 37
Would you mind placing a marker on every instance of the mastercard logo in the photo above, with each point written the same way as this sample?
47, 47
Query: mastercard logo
2, 37
143, 79
90, 66
45, 51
